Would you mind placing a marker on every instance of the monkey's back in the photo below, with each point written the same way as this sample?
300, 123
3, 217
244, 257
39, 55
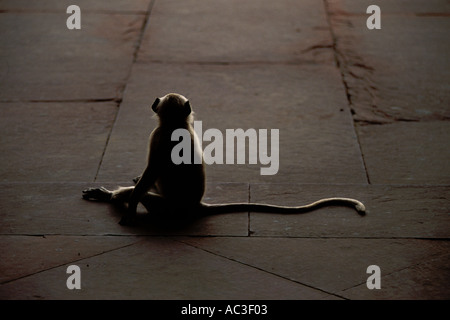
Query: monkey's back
179, 183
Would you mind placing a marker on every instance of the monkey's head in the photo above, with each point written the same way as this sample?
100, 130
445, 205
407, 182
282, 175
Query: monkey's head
173, 108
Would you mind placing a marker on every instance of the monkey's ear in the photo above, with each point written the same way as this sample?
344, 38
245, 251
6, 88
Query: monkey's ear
187, 108
155, 104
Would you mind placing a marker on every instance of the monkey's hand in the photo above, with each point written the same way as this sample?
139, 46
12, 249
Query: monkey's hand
129, 218
136, 180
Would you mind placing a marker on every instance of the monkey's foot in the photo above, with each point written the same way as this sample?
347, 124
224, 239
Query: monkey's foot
136, 180
127, 220
99, 194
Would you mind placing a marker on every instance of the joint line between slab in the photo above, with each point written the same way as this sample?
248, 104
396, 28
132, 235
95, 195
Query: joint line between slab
397, 271
70, 262
249, 232
141, 33
121, 91
262, 270
340, 60
106, 143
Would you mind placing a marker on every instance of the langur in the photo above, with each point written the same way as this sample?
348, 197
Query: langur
165, 185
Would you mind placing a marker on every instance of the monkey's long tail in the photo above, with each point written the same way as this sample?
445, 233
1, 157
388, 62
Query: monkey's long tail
210, 209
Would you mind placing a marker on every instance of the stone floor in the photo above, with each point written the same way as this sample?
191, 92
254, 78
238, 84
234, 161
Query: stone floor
361, 113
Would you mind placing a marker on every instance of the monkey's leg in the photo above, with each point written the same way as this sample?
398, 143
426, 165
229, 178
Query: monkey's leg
102, 194
153, 202
150, 200
99, 194
121, 194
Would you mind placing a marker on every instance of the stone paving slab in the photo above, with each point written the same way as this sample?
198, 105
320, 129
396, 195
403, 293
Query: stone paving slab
62, 64
398, 72
317, 138
335, 265
85, 5
253, 64
237, 31
407, 153
51, 142
406, 7
159, 269
53, 209
426, 280
400, 212
58, 209
22, 256
392, 212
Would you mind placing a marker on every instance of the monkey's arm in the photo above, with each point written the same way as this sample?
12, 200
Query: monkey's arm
146, 181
